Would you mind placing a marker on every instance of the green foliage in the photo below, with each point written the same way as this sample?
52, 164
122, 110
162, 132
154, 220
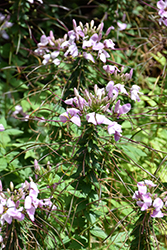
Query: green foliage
89, 177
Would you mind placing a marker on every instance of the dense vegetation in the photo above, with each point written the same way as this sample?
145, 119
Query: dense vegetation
83, 117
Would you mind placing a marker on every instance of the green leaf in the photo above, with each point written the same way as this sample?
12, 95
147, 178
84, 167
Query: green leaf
3, 164
13, 131
78, 242
98, 232
159, 58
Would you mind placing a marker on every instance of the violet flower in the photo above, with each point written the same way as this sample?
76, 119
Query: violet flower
157, 204
97, 119
112, 91
134, 91
71, 115
122, 26
110, 68
116, 129
124, 109
93, 42
108, 43
102, 54
147, 201
88, 56
11, 213
162, 6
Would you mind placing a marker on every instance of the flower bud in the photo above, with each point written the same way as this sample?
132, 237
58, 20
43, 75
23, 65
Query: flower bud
30, 179
11, 186
81, 25
76, 92
36, 166
8, 191
92, 24
0, 186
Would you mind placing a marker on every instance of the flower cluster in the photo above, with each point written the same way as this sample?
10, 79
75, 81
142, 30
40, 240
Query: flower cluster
147, 201
162, 6
16, 204
99, 105
3, 25
84, 40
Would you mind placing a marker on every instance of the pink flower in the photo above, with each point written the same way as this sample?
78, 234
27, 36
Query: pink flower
110, 69
88, 56
157, 204
142, 187
73, 50
97, 119
103, 55
93, 42
11, 213
124, 109
78, 31
71, 115
112, 90
78, 101
149, 183
128, 76
134, 91
31, 201
122, 26
147, 202
116, 129
108, 43
162, 6
43, 41
121, 88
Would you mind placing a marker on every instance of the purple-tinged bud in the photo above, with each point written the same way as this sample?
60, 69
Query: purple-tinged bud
87, 95
117, 105
108, 30
0, 186
100, 27
74, 24
105, 99
105, 108
76, 92
36, 166
90, 102
30, 179
1, 128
